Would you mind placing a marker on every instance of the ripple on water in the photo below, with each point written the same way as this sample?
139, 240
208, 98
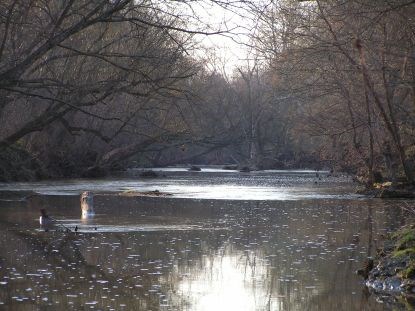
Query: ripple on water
177, 254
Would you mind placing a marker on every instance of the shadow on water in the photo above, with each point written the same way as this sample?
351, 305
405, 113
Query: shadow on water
185, 254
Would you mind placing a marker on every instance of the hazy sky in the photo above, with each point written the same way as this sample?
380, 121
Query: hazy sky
231, 54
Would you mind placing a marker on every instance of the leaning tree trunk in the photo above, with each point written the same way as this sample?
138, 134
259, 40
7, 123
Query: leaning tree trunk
104, 163
389, 119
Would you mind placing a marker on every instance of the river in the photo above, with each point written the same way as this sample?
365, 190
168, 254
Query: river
221, 240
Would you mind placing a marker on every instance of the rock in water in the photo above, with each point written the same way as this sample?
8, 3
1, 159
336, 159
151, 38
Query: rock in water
245, 169
195, 168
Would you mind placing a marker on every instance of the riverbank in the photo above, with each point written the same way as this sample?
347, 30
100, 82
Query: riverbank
393, 270
389, 190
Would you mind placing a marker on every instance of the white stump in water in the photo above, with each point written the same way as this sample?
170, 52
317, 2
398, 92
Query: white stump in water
87, 204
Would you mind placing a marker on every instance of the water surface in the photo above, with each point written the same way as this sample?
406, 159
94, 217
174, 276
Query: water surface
211, 183
222, 241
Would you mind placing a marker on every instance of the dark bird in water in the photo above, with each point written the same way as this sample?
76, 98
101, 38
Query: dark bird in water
47, 222
76, 228
44, 218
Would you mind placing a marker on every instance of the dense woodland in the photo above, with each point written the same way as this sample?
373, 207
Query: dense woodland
87, 87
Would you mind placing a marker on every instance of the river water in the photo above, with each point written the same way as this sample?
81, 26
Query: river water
222, 240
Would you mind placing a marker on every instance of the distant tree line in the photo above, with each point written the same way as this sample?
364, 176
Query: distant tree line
87, 87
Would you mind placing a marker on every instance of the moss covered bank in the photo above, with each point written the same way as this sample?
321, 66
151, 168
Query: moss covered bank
393, 269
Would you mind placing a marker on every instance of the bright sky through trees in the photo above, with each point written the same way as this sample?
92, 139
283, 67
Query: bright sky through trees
229, 49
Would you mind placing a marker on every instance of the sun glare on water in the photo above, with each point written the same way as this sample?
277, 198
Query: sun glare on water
227, 283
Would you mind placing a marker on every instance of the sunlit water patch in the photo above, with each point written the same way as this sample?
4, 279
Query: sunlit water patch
262, 185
